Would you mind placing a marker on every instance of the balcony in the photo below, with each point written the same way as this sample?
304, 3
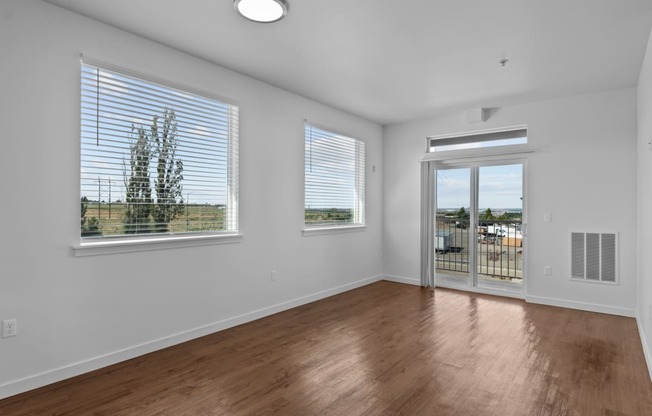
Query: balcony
499, 249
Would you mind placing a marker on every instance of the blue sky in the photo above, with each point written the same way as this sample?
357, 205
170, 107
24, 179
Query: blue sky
126, 102
499, 187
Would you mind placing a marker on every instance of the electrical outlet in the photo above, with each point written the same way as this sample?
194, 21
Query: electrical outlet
547, 270
273, 275
9, 328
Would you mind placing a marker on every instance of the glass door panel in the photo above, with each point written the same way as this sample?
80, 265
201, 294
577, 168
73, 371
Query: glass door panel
499, 253
479, 226
453, 226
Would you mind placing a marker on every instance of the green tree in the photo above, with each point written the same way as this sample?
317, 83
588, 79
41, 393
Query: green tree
84, 208
89, 226
461, 213
487, 215
169, 171
138, 196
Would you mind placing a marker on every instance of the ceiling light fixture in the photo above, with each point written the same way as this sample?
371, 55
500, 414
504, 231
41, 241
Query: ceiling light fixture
262, 11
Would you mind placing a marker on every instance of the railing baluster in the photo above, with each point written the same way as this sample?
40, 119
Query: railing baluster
501, 260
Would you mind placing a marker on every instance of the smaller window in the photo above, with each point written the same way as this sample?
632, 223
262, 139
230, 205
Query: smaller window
475, 141
334, 179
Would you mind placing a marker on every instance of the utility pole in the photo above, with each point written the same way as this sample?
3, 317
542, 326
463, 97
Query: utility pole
99, 199
109, 197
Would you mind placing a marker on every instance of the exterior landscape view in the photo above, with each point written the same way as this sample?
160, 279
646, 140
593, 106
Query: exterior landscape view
499, 244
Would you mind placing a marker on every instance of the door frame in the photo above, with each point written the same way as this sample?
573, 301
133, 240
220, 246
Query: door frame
475, 164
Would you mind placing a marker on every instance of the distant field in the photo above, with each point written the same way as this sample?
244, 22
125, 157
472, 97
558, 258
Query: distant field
197, 217
193, 218
332, 215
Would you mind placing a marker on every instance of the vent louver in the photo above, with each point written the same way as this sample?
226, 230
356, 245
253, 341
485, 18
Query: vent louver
594, 256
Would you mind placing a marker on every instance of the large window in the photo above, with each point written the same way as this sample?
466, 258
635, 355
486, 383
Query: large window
155, 160
334, 179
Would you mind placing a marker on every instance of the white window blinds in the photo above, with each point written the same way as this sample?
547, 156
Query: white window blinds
154, 159
334, 179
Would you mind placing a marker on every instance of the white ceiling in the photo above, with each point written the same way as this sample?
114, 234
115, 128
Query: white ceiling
392, 61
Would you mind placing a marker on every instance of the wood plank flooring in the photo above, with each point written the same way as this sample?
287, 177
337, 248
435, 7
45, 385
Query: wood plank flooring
384, 349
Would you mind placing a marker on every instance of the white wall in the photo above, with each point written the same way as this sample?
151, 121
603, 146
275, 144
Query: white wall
583, 172
644, 152
102, 308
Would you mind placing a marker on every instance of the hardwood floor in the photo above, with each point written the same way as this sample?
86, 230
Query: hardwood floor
383, 349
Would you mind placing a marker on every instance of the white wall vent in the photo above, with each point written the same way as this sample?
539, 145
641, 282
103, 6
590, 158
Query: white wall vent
594, 256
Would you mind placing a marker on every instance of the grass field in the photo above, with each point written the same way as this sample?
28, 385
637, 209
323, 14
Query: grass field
200, 217
193, 218
328, 216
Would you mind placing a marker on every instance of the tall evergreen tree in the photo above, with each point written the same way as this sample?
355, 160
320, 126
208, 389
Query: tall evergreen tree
137, 184
169, 171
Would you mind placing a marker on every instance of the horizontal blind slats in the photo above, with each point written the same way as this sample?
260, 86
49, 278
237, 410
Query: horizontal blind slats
334, 178
126, 85
118, 114
116, 152
142, 114
117, 142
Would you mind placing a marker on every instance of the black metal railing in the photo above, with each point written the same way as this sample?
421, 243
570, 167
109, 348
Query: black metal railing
499, 247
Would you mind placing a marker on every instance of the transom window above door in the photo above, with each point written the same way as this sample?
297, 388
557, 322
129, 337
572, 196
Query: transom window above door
509, 137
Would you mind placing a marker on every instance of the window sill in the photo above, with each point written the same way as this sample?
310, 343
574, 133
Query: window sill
97, 248
313, 231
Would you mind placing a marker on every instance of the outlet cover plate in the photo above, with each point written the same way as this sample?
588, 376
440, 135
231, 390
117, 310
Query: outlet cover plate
9, 328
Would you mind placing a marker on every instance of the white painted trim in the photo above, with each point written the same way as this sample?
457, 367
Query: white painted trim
110, 246
562, 303
583, 306
38, 380
479, 132
400, 279
313, 231
646, 349
482, 153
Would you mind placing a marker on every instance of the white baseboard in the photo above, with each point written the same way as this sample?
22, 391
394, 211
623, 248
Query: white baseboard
583, 306
646, 349
591, 307
399, 279
51, 376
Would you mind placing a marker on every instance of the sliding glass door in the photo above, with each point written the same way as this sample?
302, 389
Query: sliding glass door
479, 230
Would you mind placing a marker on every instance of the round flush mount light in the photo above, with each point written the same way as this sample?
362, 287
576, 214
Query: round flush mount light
262, 11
